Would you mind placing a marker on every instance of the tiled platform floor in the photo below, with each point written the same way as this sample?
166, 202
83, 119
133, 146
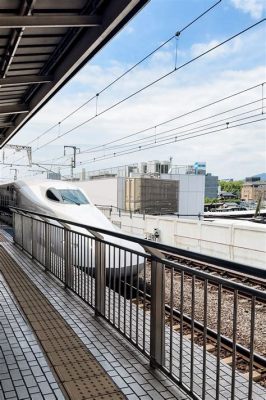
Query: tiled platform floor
75, 367
128, 369
24, 372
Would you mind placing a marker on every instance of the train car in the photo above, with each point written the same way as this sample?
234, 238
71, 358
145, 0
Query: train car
65, 200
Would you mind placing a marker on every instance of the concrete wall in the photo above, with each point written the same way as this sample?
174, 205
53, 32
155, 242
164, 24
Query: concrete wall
239, 241
191, 192
101, 191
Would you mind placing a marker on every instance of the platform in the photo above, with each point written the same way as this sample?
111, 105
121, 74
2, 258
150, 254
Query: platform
28, 371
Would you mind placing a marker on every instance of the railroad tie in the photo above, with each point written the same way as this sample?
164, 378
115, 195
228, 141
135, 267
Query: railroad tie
79, 373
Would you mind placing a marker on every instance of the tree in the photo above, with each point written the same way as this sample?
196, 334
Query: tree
232, 187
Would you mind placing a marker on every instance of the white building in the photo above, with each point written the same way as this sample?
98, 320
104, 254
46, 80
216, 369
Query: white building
111, 192
191, 193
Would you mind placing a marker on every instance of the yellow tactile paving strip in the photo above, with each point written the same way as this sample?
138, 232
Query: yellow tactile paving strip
79, 373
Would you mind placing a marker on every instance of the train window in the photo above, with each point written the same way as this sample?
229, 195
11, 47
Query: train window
52, 195
67, 196
73, 196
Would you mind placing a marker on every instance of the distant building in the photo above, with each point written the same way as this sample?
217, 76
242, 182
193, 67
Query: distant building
199, 168
156, 187
253, 190
227, 195
54, 175
211, 186
185, 195
191, 193
151, 195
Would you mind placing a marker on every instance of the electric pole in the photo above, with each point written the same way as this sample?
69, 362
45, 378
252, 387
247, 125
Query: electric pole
73, 159
15, 173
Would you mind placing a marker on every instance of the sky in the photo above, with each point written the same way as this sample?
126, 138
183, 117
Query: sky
239, 64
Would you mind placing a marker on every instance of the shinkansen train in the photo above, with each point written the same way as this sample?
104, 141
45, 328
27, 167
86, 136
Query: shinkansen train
65, 200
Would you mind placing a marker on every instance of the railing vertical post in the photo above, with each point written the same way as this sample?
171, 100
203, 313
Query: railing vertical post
22, 240
157, 328
100, 278
32, 239
47, 247
67, 257
14, 226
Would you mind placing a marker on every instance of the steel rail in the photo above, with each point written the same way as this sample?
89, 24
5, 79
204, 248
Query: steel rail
215, 268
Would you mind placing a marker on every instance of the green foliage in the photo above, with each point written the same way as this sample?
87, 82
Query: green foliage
233, 187
211, 201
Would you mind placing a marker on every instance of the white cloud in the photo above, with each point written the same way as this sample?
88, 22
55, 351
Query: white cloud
253, 7
223, 51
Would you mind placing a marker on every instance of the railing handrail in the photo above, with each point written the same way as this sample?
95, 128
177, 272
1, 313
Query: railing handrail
250, 270
177, 214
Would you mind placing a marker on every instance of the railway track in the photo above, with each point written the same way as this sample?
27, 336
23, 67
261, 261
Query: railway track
216, 344
214, 270
224, 272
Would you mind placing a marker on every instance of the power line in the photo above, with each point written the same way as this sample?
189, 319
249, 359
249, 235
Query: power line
100, 148
175, 69
177, 34
182, 126
151, 84
173, 139
180, 116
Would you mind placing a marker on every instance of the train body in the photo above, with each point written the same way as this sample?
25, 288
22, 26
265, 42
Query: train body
66, 201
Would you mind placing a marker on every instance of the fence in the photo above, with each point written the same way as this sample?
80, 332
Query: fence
157, 304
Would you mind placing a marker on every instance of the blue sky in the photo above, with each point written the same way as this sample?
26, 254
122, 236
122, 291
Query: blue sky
162, 18
233, 67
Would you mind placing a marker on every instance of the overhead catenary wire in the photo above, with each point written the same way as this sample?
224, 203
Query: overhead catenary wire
149, 140
150, 84
159, 134
95, 96
177, 117
169, 141
162, 78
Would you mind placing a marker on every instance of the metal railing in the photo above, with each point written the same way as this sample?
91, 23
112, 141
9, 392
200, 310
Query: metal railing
159, 305
5, 201
109, 210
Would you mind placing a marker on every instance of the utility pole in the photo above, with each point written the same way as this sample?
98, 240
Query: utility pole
15, 173
73, 159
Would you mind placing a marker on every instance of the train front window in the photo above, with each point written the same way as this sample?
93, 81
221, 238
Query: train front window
52, 194
67, 196
71, 196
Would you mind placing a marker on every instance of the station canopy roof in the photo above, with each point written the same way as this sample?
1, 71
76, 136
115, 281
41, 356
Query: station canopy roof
43, 43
